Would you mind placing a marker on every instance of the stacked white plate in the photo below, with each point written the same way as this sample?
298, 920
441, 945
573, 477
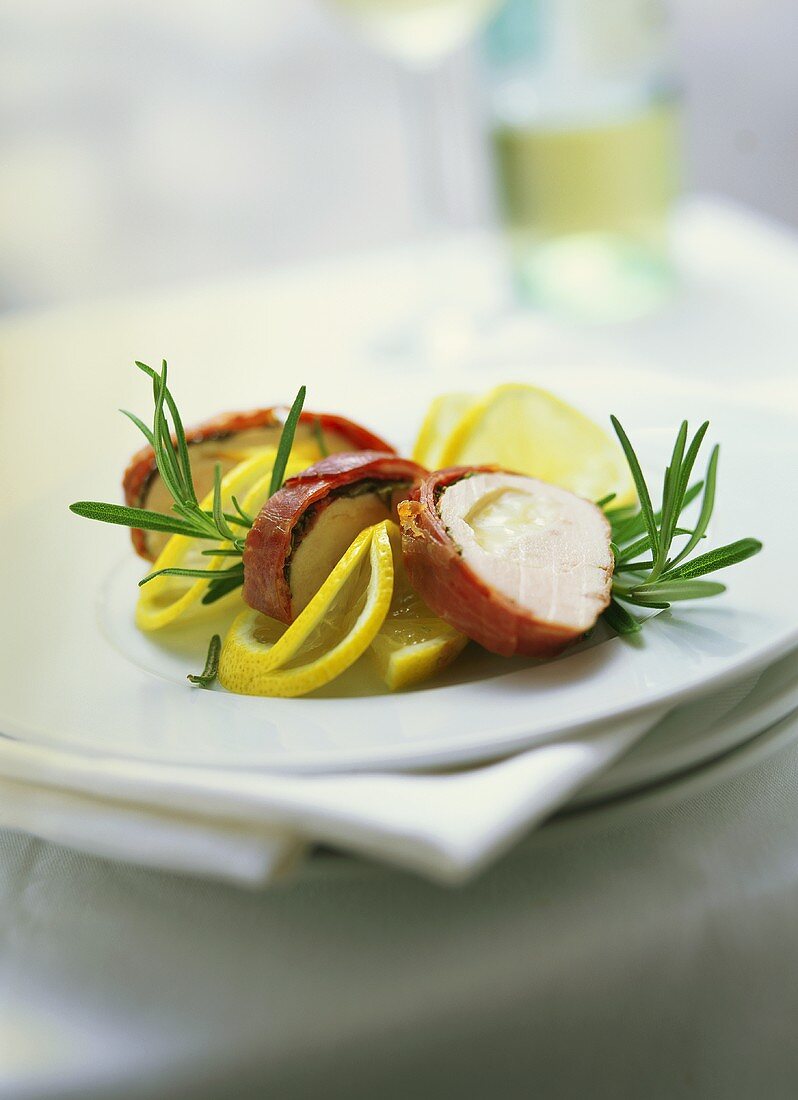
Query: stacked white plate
107, 748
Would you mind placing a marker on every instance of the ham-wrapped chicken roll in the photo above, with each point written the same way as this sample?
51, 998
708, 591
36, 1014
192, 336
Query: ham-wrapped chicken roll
302, 531
226, 440
518, 565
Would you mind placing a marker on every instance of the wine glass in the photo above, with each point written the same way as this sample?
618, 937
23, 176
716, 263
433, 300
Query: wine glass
419, 35
417, 32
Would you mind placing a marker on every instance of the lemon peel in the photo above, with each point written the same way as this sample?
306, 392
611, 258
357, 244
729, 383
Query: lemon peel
165, 599
412, 644
530, 431
263, 657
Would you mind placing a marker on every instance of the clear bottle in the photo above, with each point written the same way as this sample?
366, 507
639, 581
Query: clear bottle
583, 109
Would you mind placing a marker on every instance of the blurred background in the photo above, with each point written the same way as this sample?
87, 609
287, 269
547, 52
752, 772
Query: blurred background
148, 142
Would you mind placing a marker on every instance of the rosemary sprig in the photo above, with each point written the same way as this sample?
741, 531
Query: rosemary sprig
188, 517
664, 576
211, 670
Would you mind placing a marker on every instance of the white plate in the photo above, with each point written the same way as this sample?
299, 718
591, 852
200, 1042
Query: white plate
690, 737
77, 674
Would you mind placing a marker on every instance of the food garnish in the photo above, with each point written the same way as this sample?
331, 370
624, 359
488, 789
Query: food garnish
227, 440
262, 656
662, 576
211, 520
413, 643
529, 431
365, 603
495, 553
211, 670
178, 586
443, 416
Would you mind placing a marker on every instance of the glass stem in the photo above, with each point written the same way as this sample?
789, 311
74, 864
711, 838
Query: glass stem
429, 98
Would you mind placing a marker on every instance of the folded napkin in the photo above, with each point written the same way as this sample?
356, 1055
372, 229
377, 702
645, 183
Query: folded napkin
250, 827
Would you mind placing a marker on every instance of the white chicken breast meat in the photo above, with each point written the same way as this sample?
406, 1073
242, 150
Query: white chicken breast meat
518, 565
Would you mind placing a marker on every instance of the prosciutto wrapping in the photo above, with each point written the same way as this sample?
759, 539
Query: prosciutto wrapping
302, 531
225, 439
520, 566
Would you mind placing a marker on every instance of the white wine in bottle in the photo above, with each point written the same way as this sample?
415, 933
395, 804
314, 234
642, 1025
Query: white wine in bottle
584, 133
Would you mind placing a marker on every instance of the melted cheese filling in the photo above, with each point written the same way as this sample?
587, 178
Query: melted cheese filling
504, 516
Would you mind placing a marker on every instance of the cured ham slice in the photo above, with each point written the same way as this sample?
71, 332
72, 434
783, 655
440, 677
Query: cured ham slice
302, 531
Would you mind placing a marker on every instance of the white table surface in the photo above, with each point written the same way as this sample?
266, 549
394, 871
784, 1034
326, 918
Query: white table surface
646, 948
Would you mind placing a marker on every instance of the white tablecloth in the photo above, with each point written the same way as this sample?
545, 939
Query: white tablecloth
646, 948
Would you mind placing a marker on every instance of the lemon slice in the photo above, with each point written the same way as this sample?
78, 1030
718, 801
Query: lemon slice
530, 431
413, 643
165, 599
306, 454
443, 416
263, 657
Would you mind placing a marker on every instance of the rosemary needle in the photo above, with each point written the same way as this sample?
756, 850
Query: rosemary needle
210, 672
286, 442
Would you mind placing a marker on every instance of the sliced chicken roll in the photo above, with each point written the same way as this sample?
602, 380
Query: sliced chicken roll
302, 531
518, 565
228, 439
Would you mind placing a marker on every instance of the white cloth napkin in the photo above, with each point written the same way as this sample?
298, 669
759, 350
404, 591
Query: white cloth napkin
250, 827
